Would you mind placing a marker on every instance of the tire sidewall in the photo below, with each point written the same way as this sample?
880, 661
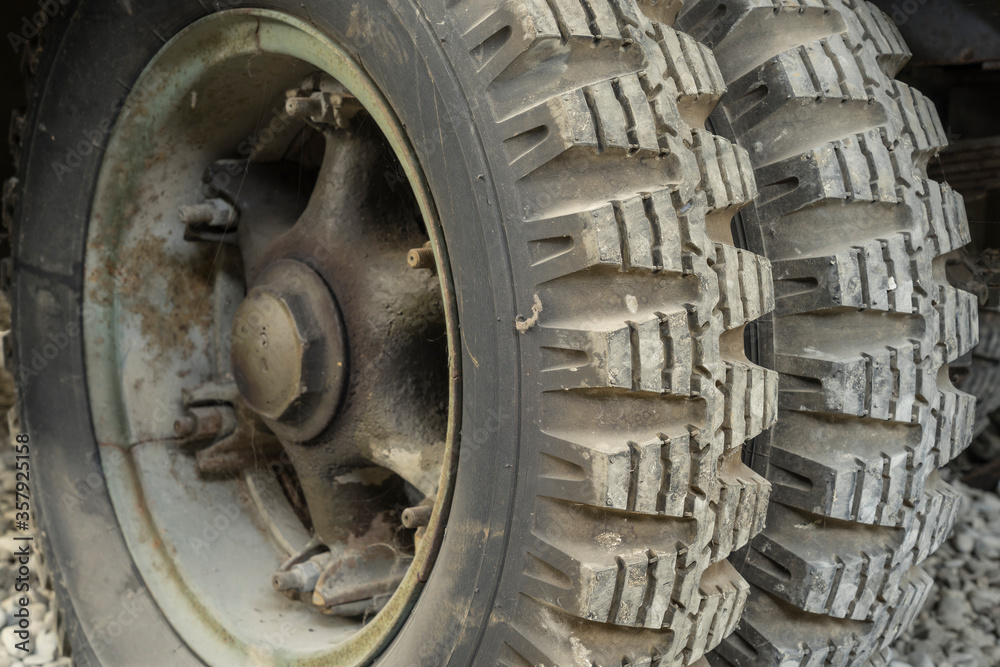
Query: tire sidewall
84, 89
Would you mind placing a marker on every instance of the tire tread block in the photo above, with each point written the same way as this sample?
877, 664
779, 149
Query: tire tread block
843, 570
773, 632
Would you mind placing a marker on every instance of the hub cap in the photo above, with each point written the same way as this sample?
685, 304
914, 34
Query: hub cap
288, 353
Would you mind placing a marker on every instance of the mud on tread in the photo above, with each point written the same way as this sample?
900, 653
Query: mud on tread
856, 233
641, 492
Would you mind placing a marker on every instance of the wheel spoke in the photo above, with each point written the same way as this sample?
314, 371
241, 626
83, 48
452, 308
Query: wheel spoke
395, 408
418, 463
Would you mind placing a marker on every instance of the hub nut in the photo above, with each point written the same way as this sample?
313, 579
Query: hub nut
288, 352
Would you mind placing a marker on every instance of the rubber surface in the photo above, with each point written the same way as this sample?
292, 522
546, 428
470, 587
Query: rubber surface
980, 273
637, 403
983, 382
864, 324
606, 392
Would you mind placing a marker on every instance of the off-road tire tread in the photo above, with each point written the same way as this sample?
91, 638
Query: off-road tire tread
634, 517
856, 233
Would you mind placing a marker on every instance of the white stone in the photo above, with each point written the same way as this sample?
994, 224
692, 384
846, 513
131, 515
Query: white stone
46, 647
9, 640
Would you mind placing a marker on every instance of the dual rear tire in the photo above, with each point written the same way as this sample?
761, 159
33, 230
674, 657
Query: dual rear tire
629, 483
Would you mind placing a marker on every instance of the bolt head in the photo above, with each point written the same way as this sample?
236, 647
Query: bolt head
288, 352
268, 352
420, 258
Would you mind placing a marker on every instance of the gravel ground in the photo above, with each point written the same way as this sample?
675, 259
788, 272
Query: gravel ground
959, 627
44, 644
960, 624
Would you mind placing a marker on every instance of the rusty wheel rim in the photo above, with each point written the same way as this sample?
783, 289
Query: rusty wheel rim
214, 477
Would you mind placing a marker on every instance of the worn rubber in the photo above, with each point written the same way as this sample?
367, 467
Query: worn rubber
864, 324
32, 57
980, 273
644, 402
564, 144
983, 381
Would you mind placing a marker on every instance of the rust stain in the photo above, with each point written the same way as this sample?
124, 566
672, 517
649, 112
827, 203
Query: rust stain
170, 293
168, 327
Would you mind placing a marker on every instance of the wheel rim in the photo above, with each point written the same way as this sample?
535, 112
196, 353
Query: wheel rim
157, 312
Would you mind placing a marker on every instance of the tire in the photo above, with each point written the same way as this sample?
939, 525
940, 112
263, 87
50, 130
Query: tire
981, 376
863, 328
982, 380
587, 219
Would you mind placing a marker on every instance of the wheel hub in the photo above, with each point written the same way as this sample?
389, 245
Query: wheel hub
288, 350
318, 375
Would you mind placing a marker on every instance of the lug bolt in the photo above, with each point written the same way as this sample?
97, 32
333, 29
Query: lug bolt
197, 213
420, 258
304, 107
213, 213
331, 105
185, 426
415, 517
300, 580
205, 423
